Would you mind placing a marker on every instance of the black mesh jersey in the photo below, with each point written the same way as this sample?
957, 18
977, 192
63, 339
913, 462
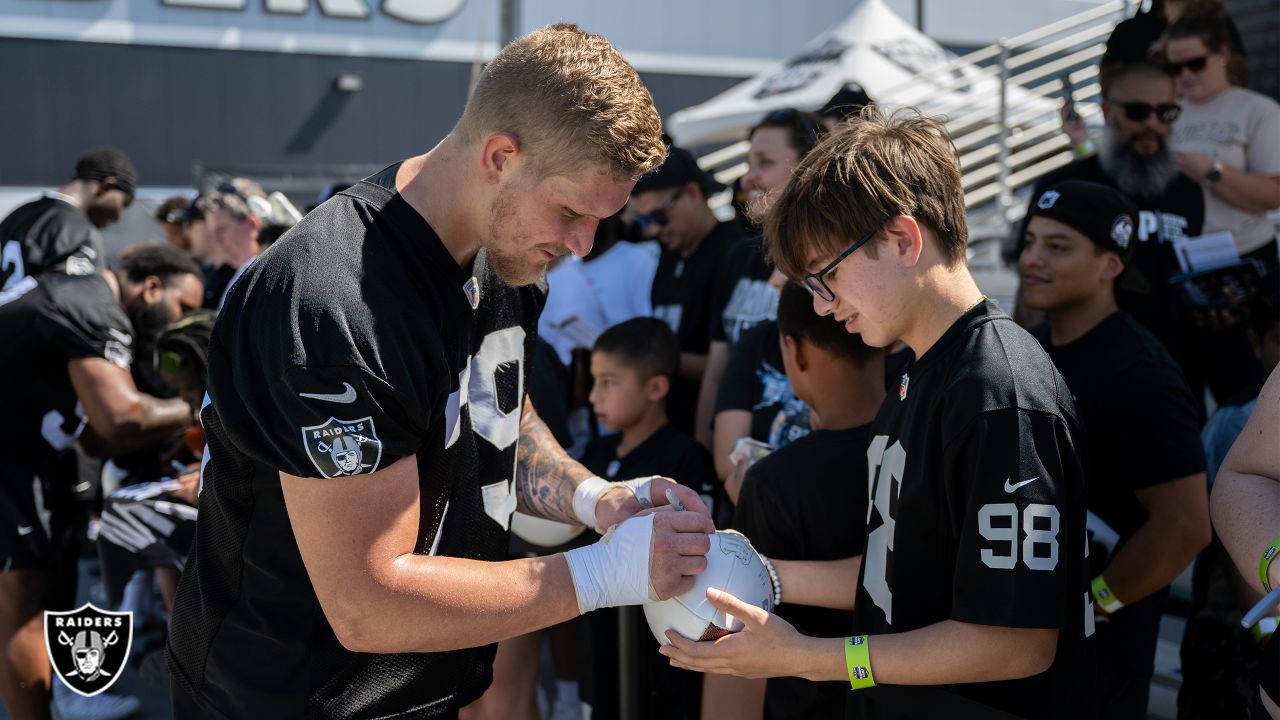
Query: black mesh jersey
977, 514
352, 342
48, 235
49, 322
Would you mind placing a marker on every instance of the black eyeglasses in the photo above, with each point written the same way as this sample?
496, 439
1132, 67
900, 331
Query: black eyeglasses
1138, 111
816, 283
792, 116
1195, 65
658, 218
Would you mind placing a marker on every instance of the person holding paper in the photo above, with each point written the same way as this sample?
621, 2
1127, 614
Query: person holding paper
1228, 140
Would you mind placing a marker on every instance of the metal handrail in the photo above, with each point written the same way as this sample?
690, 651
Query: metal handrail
1005, 148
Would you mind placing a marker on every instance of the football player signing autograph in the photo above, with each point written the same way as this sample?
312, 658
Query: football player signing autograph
368, 431
973, 584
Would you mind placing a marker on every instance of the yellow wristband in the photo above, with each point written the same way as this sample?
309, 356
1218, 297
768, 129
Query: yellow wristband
1267, 556
1104, 597
857, 657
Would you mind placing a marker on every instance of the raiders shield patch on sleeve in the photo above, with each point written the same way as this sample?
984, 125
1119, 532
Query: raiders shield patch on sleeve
343, 447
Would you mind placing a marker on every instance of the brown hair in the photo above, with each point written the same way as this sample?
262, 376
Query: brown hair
568, 97
864, 172
1207, 21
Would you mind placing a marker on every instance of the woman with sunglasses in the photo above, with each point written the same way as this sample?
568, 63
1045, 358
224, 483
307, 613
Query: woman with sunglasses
1227, 138
746, 296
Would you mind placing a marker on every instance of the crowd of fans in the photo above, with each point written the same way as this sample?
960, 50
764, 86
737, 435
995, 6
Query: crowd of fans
675, 348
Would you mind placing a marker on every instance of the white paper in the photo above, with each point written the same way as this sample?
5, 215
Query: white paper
1206, 252
581, 333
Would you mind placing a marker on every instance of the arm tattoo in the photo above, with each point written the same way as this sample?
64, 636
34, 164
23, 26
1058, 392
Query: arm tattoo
545, 474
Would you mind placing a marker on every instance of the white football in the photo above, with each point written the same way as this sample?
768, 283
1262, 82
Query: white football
543, 533
732, 566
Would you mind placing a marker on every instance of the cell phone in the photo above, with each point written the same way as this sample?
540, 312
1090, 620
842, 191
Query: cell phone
1068, 98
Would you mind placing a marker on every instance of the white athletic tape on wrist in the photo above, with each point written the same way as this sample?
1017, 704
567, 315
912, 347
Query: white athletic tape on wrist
589, 492
614, 571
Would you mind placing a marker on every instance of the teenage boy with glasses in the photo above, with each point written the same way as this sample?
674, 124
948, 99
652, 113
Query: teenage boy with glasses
973, 585
670, 205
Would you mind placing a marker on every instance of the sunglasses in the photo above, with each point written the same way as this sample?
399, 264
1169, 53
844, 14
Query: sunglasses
658, 218
1195, 65
792, 116
816, 282
1138, 111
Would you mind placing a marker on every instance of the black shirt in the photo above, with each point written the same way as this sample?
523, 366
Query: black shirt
667, 452
808, 501
1138, 415
743, 296
978, 514
58, 318
350, 343
1142, 428
681, 297
48, 235
1161, 222
754, 380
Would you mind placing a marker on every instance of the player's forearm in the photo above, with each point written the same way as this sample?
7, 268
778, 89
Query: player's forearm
940, 654
819, 583
1246, 514
140, 421
423, 603
545, 474
1156, 554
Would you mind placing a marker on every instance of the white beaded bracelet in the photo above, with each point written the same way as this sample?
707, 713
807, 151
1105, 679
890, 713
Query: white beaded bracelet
773, 578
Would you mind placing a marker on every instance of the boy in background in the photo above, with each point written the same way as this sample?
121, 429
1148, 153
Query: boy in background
633, 365
808, 500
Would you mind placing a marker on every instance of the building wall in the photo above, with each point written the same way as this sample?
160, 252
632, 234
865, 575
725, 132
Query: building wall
171, 108
1259, 23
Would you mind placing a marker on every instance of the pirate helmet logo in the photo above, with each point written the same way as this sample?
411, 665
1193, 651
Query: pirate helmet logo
88, 647
343, 447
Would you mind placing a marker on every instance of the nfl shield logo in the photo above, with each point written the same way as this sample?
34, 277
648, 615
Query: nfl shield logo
88, 647
472, 289
343, 447
902, 386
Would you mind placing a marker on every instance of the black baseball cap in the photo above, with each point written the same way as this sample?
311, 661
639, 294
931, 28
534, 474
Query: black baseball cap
679, 168
108, 163
1100, 213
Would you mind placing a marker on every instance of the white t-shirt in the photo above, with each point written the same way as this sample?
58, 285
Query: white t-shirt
573, 316
1241, 129
622, 278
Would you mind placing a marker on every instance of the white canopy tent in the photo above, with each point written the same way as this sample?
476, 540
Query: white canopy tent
874, 48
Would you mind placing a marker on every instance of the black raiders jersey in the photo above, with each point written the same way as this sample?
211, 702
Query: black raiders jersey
59, 318
976, 513
48, 235
352, 342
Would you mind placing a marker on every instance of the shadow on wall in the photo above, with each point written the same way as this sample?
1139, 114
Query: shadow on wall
320, 119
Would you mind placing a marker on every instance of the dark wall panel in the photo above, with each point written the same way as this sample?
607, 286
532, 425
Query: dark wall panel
171, 108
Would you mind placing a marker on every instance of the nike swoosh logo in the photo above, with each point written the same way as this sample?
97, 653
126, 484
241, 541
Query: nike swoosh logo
25, 529
347, 396
1010, 488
